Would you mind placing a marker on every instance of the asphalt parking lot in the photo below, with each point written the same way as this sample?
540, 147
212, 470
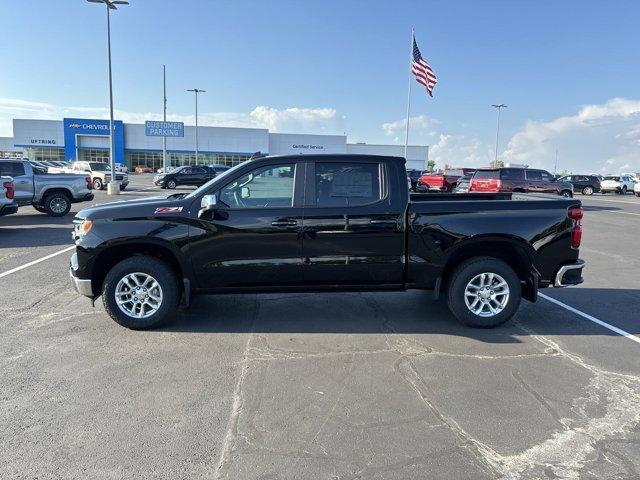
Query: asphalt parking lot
335, 386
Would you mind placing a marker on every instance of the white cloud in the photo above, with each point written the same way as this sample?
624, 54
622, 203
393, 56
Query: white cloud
420, 127
598, 138
291, 120
459, 151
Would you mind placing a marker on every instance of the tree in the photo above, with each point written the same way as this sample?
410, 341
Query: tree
431, 165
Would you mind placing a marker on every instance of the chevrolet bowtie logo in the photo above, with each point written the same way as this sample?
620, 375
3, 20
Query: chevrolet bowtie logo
74, 125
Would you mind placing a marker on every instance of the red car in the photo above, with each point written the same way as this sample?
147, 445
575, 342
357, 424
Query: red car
443, 181
143, 169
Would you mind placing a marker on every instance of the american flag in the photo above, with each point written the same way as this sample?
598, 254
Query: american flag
421, 69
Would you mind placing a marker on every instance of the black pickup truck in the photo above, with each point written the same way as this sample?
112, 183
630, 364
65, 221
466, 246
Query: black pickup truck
325, 223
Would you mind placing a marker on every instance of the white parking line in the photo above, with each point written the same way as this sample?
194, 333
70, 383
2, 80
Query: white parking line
596, 199
591, 318
26, 265
613, 211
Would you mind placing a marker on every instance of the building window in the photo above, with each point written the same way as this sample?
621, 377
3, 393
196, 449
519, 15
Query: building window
93, 155
45, 153
153, 159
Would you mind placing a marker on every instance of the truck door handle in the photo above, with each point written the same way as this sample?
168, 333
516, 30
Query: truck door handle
284, 223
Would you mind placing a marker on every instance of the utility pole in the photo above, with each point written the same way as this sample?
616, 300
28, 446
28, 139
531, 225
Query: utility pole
196, 91
164, 117
499, 107
113, 187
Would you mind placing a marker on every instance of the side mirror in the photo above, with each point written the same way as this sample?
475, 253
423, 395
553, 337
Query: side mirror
245, 192
209, 202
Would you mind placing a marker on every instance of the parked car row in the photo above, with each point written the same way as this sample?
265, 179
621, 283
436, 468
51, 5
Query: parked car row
519, 180
100, 173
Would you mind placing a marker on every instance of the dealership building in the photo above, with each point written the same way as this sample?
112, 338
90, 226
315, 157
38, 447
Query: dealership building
88, 139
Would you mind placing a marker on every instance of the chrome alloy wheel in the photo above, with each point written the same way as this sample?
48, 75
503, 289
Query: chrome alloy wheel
487, 294
138, 295
58, 204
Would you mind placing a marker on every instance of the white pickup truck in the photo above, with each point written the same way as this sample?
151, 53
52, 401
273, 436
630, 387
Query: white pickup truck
100, 173
48, 193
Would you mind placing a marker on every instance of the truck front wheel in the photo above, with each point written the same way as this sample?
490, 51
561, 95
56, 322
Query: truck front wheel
140, 292
483, 292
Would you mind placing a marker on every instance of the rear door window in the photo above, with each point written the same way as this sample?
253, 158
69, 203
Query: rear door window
347, 184
512, 174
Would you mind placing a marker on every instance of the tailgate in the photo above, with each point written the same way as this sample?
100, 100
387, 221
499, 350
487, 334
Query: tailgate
433, 179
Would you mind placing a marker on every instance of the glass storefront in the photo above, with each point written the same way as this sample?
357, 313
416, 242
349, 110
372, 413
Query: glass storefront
93, 154
154, 159
45, 153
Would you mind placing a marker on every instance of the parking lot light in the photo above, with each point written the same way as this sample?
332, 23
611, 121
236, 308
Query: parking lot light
196, 91
113, 187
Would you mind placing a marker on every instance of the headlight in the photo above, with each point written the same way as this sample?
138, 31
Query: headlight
81, 228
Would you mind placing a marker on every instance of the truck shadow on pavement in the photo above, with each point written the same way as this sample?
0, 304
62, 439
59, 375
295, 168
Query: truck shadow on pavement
598, 208
411, 312
35, 237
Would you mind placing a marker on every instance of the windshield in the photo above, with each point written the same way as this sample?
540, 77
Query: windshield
99, 167
223, 175
612, 177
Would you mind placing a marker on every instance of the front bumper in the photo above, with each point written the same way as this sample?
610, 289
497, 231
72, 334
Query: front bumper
569, 274
82, 286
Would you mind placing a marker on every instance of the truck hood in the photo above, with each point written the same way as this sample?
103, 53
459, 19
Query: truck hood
144, 207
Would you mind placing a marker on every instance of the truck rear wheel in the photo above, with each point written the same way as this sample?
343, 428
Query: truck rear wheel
140, 292
483, 292
57, 204
97, 184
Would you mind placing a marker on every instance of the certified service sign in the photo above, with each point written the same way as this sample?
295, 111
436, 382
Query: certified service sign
163, 129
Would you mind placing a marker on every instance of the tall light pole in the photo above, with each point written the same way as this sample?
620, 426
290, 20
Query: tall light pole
196, 91
164, 118
499, 107
113, 187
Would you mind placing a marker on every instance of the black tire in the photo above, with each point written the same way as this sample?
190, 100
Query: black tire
160, 272
122, 188
566, 193
465, 273
624, 190
56, 204
588, 190
637, 194
97, 184
171, 184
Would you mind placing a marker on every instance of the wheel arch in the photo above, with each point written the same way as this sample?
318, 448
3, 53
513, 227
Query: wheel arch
514, 251
51, 190
114, 254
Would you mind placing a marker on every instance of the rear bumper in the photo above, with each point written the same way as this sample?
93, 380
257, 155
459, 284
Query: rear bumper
82, 286
85, 198
8, 209
569, 274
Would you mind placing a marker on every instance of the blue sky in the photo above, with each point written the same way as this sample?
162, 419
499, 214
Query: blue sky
568, 70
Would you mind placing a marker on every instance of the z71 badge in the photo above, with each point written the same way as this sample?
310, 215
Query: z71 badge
168, 210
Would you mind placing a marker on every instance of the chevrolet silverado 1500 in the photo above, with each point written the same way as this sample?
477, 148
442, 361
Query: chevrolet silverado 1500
325, 223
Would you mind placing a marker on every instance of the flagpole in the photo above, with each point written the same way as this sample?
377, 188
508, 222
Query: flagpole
406, 136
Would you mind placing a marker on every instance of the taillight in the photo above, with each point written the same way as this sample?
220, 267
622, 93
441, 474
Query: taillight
10, 192
576, 214
485, 185
89, 183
